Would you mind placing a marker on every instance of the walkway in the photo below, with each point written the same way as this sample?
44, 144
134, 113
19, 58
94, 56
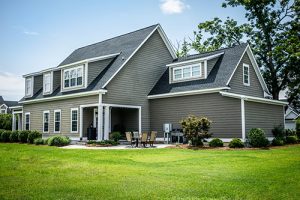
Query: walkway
77, 146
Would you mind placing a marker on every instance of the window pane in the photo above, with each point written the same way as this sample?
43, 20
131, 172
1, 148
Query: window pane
178, 73
79, 81
74, 126
196, 71
186, 72
73, 82
67, 83
66, 75
79, 72
57, 126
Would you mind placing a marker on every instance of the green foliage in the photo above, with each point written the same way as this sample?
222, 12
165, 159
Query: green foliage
256, 138
58, 140
116, 136
236, 143
182, 49
103, 142
278, 132
5, 135
33, 135
14, 136
6, 121
291, 139
277, 142
38, 141
216, 142
195, 129
290, 132
23, 136
298, 127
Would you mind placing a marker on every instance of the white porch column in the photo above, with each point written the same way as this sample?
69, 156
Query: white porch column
100, 119
243, 119
19, 122
106, 122
81, 122
13, 122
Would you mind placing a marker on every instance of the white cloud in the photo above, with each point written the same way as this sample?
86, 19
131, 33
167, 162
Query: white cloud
11, 86
30, 33
173, 6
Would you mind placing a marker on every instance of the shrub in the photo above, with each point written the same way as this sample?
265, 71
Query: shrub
290, 132
277, 142
14, 136
256, 138
103, 142
298, 127
33, 135
116, 136
291, 139
1, 131
23, 136
195, 129
38, 141
216, 142
58, 141
6, 121
278, 132
236, 143
5, 136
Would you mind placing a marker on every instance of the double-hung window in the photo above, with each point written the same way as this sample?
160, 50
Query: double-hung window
28, 86
57, 119
27, 121
187, 72
73, 77
74, 120
47, 83
46, 116
246, 76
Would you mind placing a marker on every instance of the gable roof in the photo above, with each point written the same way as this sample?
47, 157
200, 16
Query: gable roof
218, 77
8, 103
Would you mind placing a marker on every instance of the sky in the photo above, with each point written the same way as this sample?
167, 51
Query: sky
39, 34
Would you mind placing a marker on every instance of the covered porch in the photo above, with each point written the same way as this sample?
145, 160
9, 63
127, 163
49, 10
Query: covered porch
112, 117
17, 118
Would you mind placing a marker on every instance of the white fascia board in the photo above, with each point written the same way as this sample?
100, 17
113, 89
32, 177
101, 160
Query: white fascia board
16, 107
196, 60
186, 93
166, 41
94, 59
254, 99
41, 72
68, 96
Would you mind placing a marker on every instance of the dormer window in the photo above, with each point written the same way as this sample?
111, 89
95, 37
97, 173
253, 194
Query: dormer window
28, 86
47, 83
187, 72
73, 77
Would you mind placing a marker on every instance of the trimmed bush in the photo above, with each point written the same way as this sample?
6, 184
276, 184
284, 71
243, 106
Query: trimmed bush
14, 136
277, 142
216, 142
116, 136
236, 143
291, 139
290, 132
33, 135
104, 142
257, 138
58, 141
23, 136
5, 136
278, 131
298, 128
38, 141
1, 131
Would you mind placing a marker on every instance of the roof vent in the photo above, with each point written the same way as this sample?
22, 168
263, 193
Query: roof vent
123, 58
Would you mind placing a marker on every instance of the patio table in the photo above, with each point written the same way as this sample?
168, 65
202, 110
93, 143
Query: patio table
136, 136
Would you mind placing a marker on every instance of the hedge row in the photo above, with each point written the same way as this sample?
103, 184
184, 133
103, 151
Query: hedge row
19, 136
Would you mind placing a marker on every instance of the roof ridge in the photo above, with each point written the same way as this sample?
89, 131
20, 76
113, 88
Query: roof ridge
117, 36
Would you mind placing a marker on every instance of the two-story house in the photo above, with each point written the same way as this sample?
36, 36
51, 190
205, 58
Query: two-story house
135, 82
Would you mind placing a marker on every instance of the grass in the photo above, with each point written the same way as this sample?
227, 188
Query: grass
42, 172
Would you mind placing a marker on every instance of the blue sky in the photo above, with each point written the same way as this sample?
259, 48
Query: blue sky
38, 34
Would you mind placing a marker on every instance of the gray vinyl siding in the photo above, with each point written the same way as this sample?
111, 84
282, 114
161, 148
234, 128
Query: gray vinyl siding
134, 81
56, 79
95, 68
37, 83
65, 105
211, 63
236, 84
264, 116
224, 112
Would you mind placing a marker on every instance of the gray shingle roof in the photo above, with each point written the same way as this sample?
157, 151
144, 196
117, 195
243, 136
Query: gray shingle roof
8, 103
218, 77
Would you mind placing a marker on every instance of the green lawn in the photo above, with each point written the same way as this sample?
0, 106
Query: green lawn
42, 172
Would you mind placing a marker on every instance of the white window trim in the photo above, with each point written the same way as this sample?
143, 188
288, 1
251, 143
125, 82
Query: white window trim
246, 65
84, 77
46, 111
27, 113
56, 111
31, 89
51, 83
72, 109
186, 66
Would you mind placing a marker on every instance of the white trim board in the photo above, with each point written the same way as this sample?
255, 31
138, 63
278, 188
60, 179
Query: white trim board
254, 99
67, 96
186, 93
165, 39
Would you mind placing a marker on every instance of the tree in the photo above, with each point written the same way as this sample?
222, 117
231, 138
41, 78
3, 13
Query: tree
6, 121
268, 32
195, 129
182, 49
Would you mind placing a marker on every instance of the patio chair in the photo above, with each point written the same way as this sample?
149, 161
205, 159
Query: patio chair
152, 138
144, 139
129, 138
